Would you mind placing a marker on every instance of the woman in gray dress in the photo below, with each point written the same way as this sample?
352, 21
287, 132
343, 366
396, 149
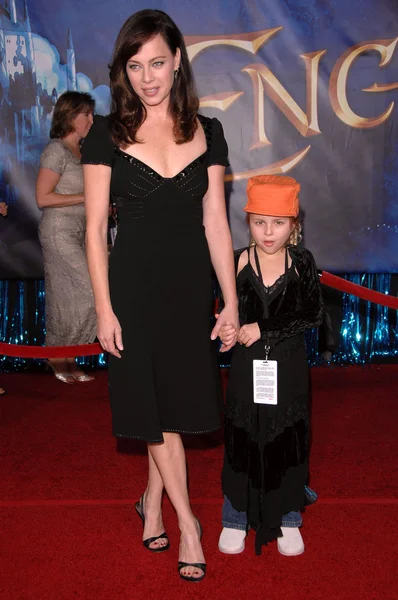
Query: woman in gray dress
70, 312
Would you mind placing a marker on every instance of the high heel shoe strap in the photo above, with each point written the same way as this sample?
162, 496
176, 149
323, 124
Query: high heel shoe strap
202, 566
139, 507
199, 527
149, 541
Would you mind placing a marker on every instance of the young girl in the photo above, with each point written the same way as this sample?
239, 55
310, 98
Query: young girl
266, 456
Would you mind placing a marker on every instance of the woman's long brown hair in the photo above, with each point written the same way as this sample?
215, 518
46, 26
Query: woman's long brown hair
127, 111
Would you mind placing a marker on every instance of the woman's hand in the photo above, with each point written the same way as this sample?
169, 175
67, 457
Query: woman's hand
249, 334
227, 334
109, 333
228, 317
3, 209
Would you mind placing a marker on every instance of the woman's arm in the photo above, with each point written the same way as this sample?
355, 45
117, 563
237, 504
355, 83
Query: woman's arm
219, 240
47, 181
97, 180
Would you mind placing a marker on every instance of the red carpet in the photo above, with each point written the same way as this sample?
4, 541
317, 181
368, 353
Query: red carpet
69, 530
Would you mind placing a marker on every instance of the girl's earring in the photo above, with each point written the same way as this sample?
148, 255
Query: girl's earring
176, 73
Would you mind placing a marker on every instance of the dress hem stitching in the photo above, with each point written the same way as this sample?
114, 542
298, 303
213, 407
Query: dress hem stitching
137, 437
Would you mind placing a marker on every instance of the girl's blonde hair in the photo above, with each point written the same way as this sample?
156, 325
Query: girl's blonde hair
294, 238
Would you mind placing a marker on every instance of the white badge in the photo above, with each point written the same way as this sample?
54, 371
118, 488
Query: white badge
265, 381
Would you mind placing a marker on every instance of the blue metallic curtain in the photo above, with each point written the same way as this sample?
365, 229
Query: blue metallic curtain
22, 321
369, 332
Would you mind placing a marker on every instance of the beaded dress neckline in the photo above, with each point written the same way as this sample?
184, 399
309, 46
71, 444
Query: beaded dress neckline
181, 174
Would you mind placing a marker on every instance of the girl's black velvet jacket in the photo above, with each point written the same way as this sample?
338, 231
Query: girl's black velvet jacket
300, 308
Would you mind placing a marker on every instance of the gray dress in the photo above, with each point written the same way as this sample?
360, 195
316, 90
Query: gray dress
70, 312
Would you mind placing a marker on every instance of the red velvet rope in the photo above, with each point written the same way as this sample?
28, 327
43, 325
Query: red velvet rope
338, 283
93, 349
50, 351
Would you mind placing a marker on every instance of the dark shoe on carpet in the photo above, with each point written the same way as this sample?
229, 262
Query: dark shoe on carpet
183, 565
139, 507
201, 566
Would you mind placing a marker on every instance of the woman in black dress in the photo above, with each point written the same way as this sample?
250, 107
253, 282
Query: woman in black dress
164, 166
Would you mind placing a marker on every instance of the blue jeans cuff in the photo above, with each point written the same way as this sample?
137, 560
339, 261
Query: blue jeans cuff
232, 518
234, 526
292, 519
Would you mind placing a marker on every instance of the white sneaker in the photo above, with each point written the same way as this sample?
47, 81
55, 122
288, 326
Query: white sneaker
291, 544
232, 541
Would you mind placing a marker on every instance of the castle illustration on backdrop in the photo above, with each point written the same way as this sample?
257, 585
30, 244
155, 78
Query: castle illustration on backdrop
25, 103
27, 92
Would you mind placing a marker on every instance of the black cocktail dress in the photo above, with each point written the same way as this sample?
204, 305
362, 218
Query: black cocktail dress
161, 288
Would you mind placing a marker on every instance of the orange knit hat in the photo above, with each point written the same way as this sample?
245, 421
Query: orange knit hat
273, 195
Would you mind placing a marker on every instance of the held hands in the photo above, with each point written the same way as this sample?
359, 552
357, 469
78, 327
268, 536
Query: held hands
227, 318
248, 334
109, 333
227, 335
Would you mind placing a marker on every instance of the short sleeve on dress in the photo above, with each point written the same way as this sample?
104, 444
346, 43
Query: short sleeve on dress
218, 154
97, 148
54, 156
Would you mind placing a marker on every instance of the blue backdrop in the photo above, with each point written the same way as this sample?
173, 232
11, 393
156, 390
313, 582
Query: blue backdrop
304, 87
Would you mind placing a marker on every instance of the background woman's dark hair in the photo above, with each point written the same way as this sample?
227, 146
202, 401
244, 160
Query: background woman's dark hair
127, 111
68, 106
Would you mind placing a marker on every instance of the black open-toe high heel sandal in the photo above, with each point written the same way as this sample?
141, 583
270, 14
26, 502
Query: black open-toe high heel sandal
139, 507
201, 566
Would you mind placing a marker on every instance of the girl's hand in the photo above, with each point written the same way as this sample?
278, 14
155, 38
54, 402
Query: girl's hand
249, 334
227, 317
109, 333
